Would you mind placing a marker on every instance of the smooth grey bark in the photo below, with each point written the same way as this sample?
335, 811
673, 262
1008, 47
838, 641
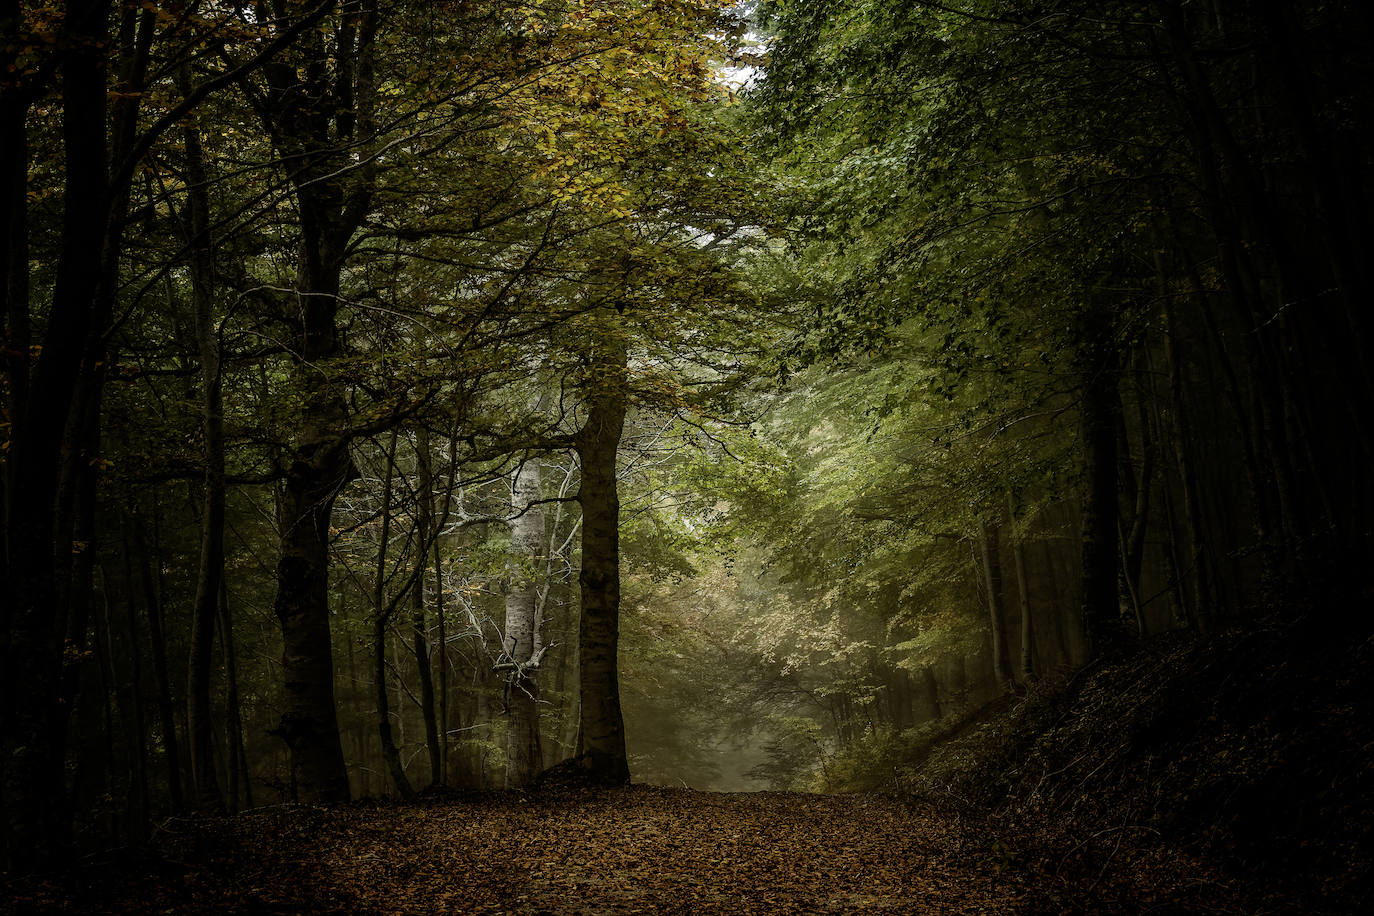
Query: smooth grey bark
522, 653
571, 736
441, 631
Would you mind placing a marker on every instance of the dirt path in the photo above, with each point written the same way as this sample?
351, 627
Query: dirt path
636, 850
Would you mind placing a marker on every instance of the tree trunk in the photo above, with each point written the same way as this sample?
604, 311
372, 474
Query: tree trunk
139, 813
1018, 556
1202, 598
992, 587
426, 673
442, 661
1097, 367
98, 132
391, 754
428, 534
241, 778
356, 694
157, 637
930, 695
199, 734
75, 544
520, 658
309, 724
959, 683
17, 336
1064, 612
31, 789
571, 736
602, 726
381, 616
1138, 490
318, 115
104, 651
17, 627
77, 499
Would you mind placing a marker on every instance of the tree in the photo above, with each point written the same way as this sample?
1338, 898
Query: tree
104, 55
522, 647
602, 728
210, 575
316, 106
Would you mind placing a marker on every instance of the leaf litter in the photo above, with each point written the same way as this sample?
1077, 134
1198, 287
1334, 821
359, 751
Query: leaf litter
640, 849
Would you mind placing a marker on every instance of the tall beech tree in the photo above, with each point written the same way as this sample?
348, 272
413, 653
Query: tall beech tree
996, 603
318, 106
601, 741
210, 575
428, 533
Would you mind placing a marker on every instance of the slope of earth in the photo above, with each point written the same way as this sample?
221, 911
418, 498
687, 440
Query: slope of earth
1249, 750
632, 850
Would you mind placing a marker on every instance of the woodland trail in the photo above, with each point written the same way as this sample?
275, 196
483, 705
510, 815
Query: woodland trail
633, 850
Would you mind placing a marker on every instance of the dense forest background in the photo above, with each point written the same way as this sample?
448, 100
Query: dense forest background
403, 395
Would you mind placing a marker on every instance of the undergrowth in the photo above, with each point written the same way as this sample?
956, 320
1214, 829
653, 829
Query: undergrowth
1248, 751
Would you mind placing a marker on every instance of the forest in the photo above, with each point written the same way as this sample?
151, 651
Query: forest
785, 456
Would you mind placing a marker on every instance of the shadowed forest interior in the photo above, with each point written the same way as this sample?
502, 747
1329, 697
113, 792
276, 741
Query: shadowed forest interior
964, 407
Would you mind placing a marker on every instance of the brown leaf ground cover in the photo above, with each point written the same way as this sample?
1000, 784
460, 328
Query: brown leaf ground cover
634, 850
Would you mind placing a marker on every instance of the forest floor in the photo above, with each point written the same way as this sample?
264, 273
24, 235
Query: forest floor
1225, 775
639, 849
